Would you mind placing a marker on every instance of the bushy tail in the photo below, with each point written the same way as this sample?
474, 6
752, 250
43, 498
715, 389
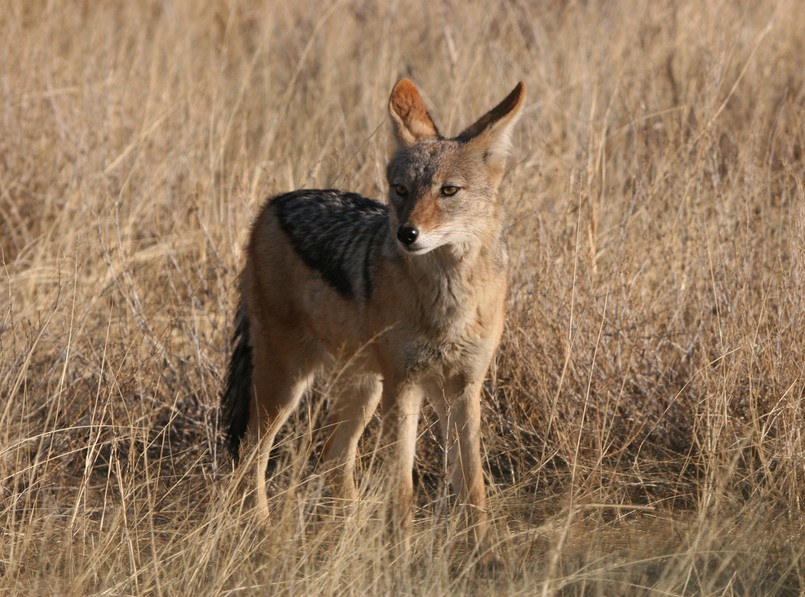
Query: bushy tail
237, 395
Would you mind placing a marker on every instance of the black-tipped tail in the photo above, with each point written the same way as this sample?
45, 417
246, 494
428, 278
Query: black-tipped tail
237, 395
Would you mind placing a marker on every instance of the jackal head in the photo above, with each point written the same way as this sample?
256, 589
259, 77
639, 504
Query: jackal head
443, 191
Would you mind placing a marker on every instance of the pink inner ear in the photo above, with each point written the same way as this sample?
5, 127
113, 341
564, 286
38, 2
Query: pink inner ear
405, 98
409, 107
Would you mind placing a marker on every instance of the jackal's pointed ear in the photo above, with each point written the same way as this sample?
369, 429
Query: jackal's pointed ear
491, 133
409, 115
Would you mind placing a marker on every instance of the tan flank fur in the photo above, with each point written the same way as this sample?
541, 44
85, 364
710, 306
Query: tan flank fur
410, 295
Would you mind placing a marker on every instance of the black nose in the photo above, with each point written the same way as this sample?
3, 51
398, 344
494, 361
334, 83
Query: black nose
407, 234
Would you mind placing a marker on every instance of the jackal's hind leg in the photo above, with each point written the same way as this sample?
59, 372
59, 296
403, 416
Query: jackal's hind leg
279, 384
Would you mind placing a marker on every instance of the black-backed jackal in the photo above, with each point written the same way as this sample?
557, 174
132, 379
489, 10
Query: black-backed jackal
412, 294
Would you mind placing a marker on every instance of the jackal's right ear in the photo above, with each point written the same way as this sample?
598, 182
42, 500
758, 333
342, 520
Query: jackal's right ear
409, 115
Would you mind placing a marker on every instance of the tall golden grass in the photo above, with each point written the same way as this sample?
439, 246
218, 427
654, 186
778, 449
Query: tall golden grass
644, 420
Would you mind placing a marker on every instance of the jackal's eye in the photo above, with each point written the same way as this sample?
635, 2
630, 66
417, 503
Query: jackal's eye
400, 190
449, 190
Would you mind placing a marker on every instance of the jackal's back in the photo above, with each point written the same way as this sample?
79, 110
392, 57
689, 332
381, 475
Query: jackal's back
334, 233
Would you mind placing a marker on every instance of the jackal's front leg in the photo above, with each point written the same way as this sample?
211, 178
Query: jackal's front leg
401, 405
354, 403
460, 416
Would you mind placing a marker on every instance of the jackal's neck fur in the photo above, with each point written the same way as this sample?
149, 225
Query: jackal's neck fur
451, 278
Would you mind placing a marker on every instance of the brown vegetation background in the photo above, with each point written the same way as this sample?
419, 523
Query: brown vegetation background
644, 420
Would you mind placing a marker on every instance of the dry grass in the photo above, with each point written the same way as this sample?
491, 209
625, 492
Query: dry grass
644, 426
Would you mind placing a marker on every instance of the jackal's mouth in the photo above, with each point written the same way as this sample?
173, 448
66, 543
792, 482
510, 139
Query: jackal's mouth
416, 248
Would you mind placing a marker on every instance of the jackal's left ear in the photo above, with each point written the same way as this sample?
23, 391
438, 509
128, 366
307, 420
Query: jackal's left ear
491, 133
409, 114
